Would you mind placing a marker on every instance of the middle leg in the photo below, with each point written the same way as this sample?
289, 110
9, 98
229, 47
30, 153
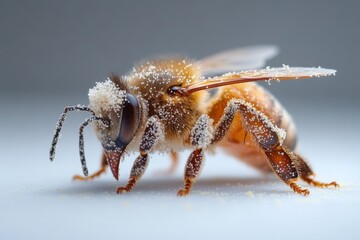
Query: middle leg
192, 171
201, 136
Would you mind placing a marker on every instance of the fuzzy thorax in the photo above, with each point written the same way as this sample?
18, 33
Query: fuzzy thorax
151, 81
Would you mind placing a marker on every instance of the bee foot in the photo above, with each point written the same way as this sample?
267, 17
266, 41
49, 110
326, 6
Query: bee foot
183, 192
122, 190
131, 184
101, 171
296, 188
187, 187
321, 184
304, 192
334, 184
79, 178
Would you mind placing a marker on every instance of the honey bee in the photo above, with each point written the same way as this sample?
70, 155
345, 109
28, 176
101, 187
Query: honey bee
170, 104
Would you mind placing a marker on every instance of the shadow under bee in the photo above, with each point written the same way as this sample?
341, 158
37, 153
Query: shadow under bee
207, 186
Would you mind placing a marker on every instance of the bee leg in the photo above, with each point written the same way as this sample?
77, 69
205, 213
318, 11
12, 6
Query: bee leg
266, 135
174, 156
306, 174
192, 170
284, 166
96, 174
153, 134
137, 171
201, 136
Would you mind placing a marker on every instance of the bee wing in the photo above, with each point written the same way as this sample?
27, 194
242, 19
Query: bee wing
284, 73
237, 59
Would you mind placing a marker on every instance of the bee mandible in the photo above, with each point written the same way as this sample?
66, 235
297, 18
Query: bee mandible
170, 104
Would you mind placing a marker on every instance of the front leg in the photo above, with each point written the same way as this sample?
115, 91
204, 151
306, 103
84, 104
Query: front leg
102, 170
201, 136
154, 132
137, 170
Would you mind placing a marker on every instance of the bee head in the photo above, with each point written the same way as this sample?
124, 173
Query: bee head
121, 110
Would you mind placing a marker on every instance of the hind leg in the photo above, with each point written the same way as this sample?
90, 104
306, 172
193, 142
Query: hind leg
283, 165
307, 175
268, 138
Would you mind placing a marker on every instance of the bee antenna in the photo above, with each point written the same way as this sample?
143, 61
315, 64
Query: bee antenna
81, 140
60, 124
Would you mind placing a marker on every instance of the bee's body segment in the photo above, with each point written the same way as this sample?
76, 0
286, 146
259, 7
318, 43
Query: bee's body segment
150, 82
167, 105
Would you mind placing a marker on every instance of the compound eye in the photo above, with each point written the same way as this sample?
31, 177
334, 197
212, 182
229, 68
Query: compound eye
175, 91
130, 120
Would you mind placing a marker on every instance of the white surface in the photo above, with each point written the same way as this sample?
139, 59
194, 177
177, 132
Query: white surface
230, 201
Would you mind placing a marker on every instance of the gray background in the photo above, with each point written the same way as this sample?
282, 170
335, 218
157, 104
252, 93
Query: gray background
52, 47
52, 52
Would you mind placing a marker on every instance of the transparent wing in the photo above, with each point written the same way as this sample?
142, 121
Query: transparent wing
283, 73
237, 59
